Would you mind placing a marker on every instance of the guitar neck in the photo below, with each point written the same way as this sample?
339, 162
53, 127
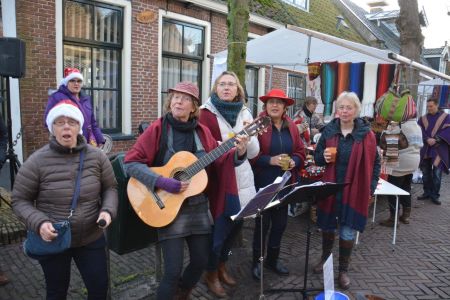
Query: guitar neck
210, 157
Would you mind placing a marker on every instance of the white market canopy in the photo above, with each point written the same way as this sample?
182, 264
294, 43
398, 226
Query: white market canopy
293, 47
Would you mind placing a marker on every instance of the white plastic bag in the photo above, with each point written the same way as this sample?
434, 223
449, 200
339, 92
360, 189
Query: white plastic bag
417, 176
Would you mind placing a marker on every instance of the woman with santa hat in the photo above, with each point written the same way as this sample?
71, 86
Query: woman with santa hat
70, 89
43, 195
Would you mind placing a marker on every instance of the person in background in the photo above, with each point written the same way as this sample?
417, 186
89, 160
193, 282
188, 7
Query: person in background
308, 116
179, 130
42, 195
348, 150
408, 162
70, 89
434, 155
225, 114
281, 139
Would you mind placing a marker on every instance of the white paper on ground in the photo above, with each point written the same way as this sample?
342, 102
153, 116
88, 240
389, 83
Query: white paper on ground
328, 278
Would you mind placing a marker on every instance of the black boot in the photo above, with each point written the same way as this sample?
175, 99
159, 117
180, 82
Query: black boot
273, 263
327, 248
256, 266
345, 252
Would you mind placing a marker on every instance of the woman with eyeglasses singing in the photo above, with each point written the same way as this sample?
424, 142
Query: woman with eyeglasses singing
225, 114
348, 150
70, 89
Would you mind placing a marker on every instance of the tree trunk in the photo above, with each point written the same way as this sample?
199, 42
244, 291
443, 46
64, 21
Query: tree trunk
411, 39
237, 22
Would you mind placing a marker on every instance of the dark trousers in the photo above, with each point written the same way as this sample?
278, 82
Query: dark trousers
91, 262
431, 179
173, 254
214, 259
276, 219
403, 182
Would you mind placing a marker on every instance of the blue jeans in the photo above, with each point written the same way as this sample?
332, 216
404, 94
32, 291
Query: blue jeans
431, 179
173, 254
345, 233
214, 259
91, 262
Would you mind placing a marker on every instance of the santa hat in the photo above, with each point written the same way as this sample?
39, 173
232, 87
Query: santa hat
64, 108
71, 73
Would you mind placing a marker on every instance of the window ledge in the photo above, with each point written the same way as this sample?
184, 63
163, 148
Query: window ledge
122, 136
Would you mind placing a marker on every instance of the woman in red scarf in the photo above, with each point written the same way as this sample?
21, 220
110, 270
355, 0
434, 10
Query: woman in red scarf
357, 163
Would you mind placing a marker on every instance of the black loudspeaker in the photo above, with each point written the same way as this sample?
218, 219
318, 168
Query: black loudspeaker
12, 57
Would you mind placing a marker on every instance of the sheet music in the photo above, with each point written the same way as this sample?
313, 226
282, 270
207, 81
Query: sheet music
263, 196
295, 189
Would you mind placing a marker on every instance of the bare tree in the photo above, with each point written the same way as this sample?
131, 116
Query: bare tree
237, 22
411, 38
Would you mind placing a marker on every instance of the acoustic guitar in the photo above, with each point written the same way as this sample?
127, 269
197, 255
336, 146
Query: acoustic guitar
160, 208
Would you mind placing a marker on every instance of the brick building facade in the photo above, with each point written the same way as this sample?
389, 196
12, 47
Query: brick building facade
139, 58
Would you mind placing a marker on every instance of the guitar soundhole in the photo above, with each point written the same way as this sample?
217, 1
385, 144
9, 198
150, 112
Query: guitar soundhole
181, 176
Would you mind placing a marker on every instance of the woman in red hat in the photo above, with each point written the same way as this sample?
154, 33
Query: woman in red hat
281, 139
70, 89
179, 130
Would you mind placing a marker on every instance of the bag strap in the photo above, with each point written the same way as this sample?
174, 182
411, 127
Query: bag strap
76, 194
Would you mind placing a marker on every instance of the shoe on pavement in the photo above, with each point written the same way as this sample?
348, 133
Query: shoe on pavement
3, 279
436, 201
423, 197
256, 271
277, 267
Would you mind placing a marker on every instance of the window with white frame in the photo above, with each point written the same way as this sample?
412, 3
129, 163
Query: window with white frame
296, 91
93, 43
182, 54
251, 87
302, 4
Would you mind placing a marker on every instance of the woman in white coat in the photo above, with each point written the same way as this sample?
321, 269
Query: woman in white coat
225, 114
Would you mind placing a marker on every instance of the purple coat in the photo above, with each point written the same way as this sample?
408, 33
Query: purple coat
436, 126
85, 106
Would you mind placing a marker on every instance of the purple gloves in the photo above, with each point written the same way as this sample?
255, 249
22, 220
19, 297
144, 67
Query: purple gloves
168, 184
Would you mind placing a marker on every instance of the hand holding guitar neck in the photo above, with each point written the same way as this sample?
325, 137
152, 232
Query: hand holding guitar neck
241, 143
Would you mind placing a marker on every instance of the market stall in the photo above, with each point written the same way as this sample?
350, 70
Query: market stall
293, 48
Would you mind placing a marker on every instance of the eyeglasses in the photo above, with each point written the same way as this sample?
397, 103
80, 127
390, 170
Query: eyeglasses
62, 122
345, 107
79, 81
224, 84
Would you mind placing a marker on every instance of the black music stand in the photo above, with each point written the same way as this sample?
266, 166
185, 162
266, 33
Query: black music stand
254, 209
309, 194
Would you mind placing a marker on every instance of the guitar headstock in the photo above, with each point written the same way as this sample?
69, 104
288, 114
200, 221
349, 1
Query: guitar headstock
257, 126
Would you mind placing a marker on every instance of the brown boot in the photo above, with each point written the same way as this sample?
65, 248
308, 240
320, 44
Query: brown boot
214, 285
344, 280
327, 248
345, 252
224, 276
389, 222
3, 279
405, 216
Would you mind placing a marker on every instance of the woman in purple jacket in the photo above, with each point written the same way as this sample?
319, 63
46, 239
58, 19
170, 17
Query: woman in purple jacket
70, 89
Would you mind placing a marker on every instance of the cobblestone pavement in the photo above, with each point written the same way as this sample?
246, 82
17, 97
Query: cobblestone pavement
417, 267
